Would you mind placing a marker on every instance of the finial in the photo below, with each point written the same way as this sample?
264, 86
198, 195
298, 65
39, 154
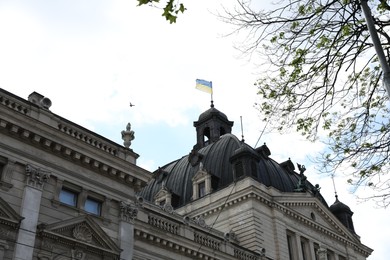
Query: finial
127, 136
242, 131
212, 103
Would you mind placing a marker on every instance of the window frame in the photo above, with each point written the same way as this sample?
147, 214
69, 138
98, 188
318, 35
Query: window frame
291, 245
69, 191
98, 203
202, 189
82, 197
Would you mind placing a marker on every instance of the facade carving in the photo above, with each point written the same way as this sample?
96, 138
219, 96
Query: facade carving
83, 233
36, 177
128, 212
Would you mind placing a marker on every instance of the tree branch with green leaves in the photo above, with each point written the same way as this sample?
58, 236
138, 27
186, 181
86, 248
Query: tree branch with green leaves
170, 10
323, 79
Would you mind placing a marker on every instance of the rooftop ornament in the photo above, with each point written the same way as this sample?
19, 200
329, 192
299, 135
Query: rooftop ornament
301, 185
127, 136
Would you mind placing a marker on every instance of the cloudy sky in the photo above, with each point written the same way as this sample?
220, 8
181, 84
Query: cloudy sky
92, 58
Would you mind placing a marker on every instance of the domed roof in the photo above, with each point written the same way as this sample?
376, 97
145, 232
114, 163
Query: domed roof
215, 158
342, 213
339, 207
212, 111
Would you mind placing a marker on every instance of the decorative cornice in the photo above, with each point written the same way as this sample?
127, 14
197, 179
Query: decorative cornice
170, 245
293, 214
86, 138
202, 239
57, 148
12, 104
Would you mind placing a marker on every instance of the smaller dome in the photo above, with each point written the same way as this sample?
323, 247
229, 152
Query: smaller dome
339, 207
212, 111
342, 213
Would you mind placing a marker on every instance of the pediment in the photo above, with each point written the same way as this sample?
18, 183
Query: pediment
80, 231
313, 213
8, 216
163, 192
201, 174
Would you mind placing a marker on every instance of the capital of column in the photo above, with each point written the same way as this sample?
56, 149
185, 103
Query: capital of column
128, 212
322, 253
36, 177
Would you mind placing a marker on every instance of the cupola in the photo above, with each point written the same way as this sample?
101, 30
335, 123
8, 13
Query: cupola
342, 213
211, 125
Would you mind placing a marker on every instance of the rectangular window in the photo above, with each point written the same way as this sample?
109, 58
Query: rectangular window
202, 189
68, 197
3, 163
316, 248
329, 255
93, 206
305, 249
291, 248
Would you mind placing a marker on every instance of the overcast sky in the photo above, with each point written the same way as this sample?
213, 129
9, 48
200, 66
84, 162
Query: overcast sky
92, 58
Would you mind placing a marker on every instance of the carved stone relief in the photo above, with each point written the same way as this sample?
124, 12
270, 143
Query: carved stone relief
36, 177
128, 212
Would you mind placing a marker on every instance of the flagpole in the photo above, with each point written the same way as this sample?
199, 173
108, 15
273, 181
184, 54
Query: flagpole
211, 83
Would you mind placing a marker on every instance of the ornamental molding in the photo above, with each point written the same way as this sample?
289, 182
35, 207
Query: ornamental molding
80, 232
36, 177
204, 239
57, 148
8, 216
171, 245
283, 207
128, 212
14, 105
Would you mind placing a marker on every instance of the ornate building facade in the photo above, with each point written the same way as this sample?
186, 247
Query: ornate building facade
69, 193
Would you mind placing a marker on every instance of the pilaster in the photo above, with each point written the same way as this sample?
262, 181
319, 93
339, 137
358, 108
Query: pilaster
29, 210
128, 213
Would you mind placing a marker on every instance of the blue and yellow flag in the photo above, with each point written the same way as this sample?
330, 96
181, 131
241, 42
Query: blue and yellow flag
204, 85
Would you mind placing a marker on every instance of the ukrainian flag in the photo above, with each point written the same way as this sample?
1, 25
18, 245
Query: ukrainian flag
204, 85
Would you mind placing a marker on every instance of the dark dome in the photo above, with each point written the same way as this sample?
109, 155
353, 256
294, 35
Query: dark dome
339, 207
343, 213
215, 158
212, 111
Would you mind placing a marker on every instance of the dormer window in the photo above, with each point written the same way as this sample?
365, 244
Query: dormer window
163, 197
201, 183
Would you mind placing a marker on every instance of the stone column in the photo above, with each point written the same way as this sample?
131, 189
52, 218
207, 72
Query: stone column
29, 210
128, 213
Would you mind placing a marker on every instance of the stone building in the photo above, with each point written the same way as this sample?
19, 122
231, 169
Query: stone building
69, 193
